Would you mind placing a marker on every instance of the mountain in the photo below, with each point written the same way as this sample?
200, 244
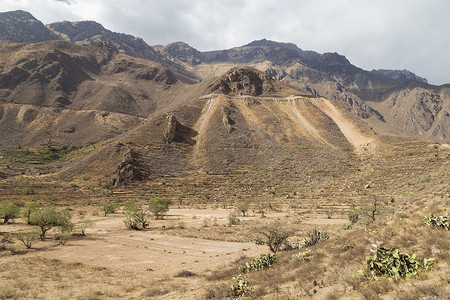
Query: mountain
21, 27
332, 76
77, 93
401, 75
242, 122
381, 98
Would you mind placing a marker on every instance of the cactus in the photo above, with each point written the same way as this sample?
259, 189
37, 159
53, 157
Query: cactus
241, 286
392, 263
258, 263
303, 256
437, 221
315, 236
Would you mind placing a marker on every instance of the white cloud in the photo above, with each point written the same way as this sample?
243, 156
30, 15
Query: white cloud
410, 34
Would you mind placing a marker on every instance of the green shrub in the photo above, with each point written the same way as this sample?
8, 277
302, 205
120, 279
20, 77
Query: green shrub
437, 221
392, 263
347, 226
158, 207
9, 212
315, 236
136, 217
258, 263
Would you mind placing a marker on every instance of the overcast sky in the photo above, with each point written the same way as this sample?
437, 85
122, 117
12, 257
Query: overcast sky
391, 34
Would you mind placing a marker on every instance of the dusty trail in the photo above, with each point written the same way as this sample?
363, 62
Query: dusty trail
306, 125
360, 141
201, 125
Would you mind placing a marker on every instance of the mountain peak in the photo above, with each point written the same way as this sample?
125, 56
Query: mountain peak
21, 27
269, 43
246, 80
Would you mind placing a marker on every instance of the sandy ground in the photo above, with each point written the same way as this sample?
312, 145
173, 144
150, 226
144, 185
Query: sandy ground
109, 244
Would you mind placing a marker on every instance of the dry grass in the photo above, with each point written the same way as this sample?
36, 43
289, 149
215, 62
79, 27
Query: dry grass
35, 277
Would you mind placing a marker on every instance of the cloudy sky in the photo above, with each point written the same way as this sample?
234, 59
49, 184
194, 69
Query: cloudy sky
394, 34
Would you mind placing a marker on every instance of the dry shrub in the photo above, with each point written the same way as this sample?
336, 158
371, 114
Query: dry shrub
156, 290
425, 290
218, 291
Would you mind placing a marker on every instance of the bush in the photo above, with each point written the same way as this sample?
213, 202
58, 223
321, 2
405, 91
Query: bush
28, 238
136, 217
440, 221
353, 216
109, 208
9, 212
274, 235
158, 207
233, 218
315, 236
392, 263
48, 217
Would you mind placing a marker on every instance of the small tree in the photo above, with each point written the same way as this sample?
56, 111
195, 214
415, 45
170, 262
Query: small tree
274, 235
28, 238
85, 224
158, 207
109, 208
242, 207
28, 209
9, 212
46, 218
136, 217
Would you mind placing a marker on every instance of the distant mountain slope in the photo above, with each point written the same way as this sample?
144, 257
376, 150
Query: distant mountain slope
21, 27
401, 75
92, 32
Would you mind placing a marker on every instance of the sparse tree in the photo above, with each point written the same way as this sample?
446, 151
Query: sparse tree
85, 224
28, 209
48, 217
274, 235
9, 212
136, 217
158, 207
28, 238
